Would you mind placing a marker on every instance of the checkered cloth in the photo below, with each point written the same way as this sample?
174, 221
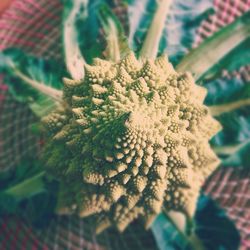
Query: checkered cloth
34, 26
230, 187
226, 12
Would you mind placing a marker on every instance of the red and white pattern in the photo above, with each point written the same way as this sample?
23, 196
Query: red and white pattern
69, 233
230, 188
35, 26
62, 233
225, 12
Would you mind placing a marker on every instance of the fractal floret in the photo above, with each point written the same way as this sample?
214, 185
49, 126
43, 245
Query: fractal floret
131, 139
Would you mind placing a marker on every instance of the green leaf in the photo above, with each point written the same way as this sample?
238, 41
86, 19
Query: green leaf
236, 124
182, 21
238, 57
34, 81
166, 234
28, 187
8, 204
213, 226
22, 183
225, 93
175, 231
210, 221
207, 59
36, 128
116, 40
239, 158
236, 129
38, 209
140, 16
26, 169
81, 34
224, 90
242, 93
27, 192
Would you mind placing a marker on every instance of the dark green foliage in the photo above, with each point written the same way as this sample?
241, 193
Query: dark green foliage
26, 169
39, 209
39, 204
45, 72
141, 14
224, 46
181, 26
214, 227
8, 204
224, 90
238, 57
236, 124
87, 25
106, 15
240, 157
166, 235
183, 19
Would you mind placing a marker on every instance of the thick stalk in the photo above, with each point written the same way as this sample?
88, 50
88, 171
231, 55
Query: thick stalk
113, 43
195, 242
230, 149
46, 90
227, 150
178, 219
28, 187
73, 56
116, 40
217, 110
151, 43
180, 222
201, 59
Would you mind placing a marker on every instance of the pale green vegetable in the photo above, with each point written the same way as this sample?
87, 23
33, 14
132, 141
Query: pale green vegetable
131, 139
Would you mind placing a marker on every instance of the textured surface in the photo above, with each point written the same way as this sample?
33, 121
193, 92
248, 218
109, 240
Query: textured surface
34, 27
71, 233
131, 138
15, 17
225, 12
20, 26
230, 187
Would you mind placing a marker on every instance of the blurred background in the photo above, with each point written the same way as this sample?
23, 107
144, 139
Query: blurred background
223, 213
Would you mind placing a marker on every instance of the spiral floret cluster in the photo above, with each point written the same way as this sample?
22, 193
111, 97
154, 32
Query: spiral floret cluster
131, 139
